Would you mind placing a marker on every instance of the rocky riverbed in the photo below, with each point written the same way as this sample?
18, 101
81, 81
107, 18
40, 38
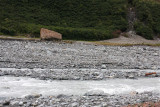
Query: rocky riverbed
78, 74
78, 61
30, 54
81, 101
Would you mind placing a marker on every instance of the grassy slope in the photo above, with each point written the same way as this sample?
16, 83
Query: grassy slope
148, 14
78, 19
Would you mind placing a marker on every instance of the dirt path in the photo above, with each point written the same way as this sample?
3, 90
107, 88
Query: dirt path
132, 39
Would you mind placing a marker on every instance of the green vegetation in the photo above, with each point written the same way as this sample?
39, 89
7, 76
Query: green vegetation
148, 15
75, 19
78, 19
143, 30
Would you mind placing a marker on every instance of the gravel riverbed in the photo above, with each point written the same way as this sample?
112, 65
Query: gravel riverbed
78, 74
30, 54
77, 61
81, 101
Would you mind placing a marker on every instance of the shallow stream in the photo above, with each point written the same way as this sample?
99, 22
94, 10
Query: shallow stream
22, 86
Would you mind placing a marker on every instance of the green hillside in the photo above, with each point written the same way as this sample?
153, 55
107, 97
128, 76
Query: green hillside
148, 15
75, 19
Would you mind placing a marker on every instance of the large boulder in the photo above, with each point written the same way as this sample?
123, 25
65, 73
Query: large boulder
46, 34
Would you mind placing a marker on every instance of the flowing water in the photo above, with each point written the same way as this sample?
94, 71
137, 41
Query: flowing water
22, 86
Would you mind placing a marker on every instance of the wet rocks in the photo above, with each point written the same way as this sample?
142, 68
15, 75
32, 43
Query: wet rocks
103, 67
95, 93
33, 96
16, 103
79, 101
78, 74
21, 103
75, 104
6, 103
131, 77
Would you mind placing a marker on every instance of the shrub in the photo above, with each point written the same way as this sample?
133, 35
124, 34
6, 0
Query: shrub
75, 19
67, 32
81, 34
7, 31
148, 14
143, 30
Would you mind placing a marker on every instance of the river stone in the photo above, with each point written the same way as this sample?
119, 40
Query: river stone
95, 93
6, 103
33, 96
131, 77
46, 34
61, 96
14, 103
103, 67
37, 95
20, 103
155, 54
75, 104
